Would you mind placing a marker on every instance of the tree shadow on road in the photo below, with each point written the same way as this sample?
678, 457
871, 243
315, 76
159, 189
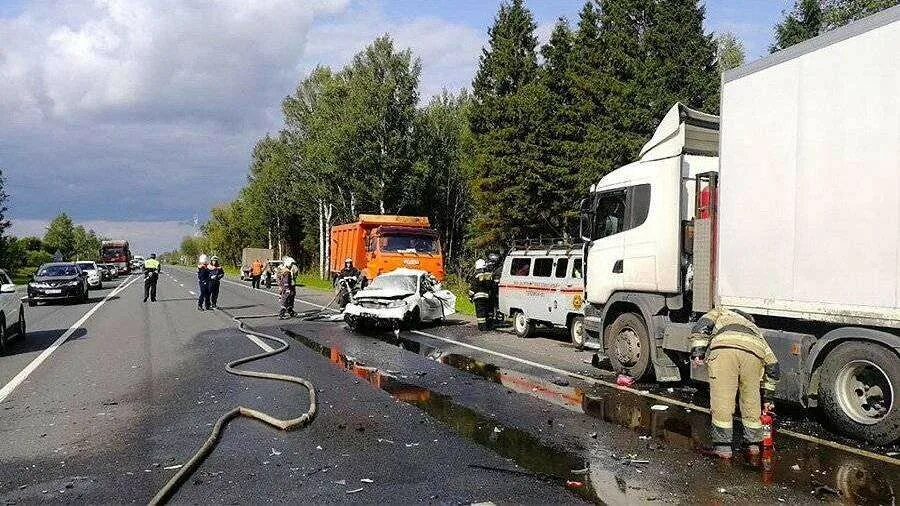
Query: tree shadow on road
38, 340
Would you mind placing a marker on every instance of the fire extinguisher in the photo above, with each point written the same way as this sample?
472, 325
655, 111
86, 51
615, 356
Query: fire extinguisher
767, 419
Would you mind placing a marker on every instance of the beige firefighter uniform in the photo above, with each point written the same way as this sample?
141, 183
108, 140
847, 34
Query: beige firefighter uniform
739, 362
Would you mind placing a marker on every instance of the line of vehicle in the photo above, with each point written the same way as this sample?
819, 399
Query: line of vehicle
34, 364
588, 379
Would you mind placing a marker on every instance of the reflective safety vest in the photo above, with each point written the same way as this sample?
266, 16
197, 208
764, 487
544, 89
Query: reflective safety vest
151, 264
481, 284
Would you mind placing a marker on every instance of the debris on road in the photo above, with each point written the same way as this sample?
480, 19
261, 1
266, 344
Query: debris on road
169, 468
795, 467
274, 452
623, 380
574, 484
559, 380
659, 407
367, 480
355, 490
579, 472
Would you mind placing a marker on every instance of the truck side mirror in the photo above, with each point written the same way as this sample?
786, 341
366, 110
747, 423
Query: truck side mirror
586, 223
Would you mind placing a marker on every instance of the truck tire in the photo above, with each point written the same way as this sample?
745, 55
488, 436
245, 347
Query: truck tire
627, 344
576, 332
523, 326
859, 383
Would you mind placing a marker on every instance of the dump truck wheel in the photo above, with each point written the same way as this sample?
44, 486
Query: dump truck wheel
627, 344
858, 391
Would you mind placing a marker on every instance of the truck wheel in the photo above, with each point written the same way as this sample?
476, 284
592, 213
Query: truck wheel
858, 391
523, 326
627, 344
576, 332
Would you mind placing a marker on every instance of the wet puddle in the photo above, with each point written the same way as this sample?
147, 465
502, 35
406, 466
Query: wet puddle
826, 473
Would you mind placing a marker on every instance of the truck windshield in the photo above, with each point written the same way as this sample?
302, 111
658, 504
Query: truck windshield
408, 244
112, 254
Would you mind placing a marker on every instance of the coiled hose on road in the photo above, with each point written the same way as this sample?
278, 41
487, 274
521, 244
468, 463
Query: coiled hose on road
188, 468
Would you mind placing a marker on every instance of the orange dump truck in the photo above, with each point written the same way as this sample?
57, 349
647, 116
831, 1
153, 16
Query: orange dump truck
381, 243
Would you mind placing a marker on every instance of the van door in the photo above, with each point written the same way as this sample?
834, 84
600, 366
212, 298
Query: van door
562, 293
607, 248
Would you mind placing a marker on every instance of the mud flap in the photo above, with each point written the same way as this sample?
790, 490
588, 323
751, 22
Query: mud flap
663, 365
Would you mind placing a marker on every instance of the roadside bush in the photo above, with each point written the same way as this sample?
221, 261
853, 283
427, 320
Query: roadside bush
36, 258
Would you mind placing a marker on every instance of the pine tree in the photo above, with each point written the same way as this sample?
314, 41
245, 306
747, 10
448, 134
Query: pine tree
506, 119
837, 13
587, 76
802, 23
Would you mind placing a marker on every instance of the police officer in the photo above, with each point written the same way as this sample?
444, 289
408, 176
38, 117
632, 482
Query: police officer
151, 276
480, 286
203, 275
739, 362
215, 278
288, 291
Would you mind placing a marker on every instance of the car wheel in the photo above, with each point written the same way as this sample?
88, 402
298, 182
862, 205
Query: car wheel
2, 336
576, 332
523, 326
858, 391
22, 330
413, 319
32, 303
100, 286
627, 344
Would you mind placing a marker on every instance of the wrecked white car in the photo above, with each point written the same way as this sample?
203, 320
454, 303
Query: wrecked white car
400, 298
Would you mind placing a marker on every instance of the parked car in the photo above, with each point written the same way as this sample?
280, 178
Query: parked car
402, 297
542, 285
94, 274
58, 281
12, 311
107, 272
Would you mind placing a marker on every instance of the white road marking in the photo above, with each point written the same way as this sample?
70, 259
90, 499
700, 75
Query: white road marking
24, 373
259, 342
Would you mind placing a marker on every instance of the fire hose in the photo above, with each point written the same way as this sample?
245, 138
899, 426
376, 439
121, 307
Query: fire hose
188, 468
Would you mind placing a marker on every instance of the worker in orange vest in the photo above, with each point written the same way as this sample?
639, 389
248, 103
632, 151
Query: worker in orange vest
256, 271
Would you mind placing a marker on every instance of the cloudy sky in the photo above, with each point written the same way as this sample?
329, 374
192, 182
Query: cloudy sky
134, 116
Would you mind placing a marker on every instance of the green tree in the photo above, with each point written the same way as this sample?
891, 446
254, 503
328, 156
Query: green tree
837, 13
506, 122
803, 22
86, 244
443, 169
60, 236
729, 51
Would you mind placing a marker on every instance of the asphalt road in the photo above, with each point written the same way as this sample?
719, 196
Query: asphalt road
444, 415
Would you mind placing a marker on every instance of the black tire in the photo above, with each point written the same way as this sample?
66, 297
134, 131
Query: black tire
100, 286
32, 303
523, 326
23, 331
3, 336
576, 332
859, 384
627, 344
413, 320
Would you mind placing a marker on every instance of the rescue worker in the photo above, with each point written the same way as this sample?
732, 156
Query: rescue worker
256, 270
151, 276
288, 291
347, 281
740, 363
480, 287
495, 266
203, 275
215, 278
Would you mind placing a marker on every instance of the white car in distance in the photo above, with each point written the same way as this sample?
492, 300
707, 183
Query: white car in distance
403, 297
94, 277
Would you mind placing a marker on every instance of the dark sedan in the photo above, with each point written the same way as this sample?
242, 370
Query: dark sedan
58, 281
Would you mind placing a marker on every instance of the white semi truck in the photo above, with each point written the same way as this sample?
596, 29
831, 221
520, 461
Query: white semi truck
787, 208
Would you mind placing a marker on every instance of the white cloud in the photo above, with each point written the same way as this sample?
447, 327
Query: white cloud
124, 110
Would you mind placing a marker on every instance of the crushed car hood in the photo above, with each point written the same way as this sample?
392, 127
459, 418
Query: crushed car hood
382, 293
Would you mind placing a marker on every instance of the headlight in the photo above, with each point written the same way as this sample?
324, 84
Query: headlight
38, 285
72, 283
396, 303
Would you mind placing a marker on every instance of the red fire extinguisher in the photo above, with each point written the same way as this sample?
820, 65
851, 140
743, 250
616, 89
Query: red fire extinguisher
767, 419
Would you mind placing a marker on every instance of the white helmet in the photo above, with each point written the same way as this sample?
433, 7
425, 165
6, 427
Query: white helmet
479, 264
203, 260
288, 261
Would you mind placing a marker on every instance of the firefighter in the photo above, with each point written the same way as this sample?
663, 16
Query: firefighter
346, 282
203, 275
151, 276
215, 279
285, 278
740, 363
480, 287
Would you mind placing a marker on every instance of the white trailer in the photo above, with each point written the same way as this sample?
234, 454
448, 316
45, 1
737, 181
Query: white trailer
793, 216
